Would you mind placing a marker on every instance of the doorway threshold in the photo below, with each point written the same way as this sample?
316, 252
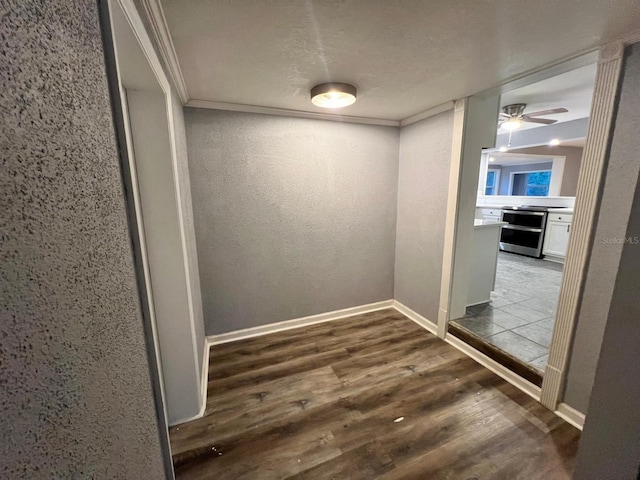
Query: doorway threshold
514, 364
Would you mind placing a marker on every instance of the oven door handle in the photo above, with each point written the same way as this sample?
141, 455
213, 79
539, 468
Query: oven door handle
524, 229
524, 212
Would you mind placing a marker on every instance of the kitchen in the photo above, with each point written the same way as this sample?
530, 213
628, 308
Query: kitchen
523, 221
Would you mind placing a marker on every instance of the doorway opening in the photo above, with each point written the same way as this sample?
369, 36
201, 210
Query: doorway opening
526, 189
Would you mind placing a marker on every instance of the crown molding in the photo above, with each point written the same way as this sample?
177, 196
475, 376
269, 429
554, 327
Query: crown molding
427, 113
154, 12
633, 37
283, 112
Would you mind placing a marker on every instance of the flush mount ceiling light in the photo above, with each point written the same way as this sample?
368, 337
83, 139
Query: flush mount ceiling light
333, 95
554, 142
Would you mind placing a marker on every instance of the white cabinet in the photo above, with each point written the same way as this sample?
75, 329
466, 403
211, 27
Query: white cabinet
556, 238
484, 261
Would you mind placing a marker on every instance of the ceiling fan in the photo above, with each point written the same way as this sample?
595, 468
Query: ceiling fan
512, 116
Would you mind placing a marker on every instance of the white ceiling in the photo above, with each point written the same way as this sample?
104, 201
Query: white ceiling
572, 90
404, 56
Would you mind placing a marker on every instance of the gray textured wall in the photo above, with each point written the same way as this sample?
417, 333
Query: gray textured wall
573, 159
610, 443
293, 217
620, 183
423, 183
76, 396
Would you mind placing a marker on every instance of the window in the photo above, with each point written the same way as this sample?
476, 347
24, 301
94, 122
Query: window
531, 184
493, 179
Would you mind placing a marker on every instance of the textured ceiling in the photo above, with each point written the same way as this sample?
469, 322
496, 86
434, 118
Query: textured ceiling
403, 55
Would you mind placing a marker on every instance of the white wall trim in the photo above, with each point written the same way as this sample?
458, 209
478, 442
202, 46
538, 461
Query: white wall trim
296, 323
503, 372
633, 37
450, 231
588, 197
564, 411
416, 317
489, 363
570, 415
160, 28
137, 26
204, 383
427, 113
283, 112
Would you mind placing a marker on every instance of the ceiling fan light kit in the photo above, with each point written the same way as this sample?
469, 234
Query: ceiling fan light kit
512, 124
333, 95
512, 116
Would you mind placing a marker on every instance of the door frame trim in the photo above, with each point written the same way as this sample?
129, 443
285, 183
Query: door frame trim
588, 196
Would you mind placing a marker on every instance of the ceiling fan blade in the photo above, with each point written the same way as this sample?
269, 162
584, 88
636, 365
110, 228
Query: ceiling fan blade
505, 115
546, 112
545, 121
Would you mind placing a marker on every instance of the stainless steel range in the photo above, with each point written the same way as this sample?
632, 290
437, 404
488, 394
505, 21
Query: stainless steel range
524, 233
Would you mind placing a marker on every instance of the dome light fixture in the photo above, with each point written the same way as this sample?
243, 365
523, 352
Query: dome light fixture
512, 124
333, 95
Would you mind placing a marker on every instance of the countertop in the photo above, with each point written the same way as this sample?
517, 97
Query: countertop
478, 223
561, 210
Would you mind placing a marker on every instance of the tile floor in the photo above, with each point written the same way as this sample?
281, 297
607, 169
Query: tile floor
520, 316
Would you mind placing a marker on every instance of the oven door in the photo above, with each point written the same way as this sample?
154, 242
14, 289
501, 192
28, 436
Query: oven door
524, 234
524, 218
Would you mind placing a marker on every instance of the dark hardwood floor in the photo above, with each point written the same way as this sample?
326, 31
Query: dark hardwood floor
322, 402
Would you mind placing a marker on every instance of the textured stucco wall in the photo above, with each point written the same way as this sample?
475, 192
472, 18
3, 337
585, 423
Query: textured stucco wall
293, 217
620, 183
425, 157
76, 396
610, 442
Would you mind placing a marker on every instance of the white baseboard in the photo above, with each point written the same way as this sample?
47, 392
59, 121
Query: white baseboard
490, 364
416, 317
296, 323
204, 380
503, 372
570, 415
564, 411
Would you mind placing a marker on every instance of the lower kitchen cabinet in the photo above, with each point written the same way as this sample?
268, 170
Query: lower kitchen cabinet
556, 239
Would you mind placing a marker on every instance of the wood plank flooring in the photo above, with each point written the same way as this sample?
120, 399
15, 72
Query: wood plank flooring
320, 402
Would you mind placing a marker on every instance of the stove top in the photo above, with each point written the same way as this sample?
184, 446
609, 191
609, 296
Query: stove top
529, 208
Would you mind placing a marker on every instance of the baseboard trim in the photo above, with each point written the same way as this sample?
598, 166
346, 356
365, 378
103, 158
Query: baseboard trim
204, 380
489, 363
570, 415
564, 411
503, 372
416, 317
296, 323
